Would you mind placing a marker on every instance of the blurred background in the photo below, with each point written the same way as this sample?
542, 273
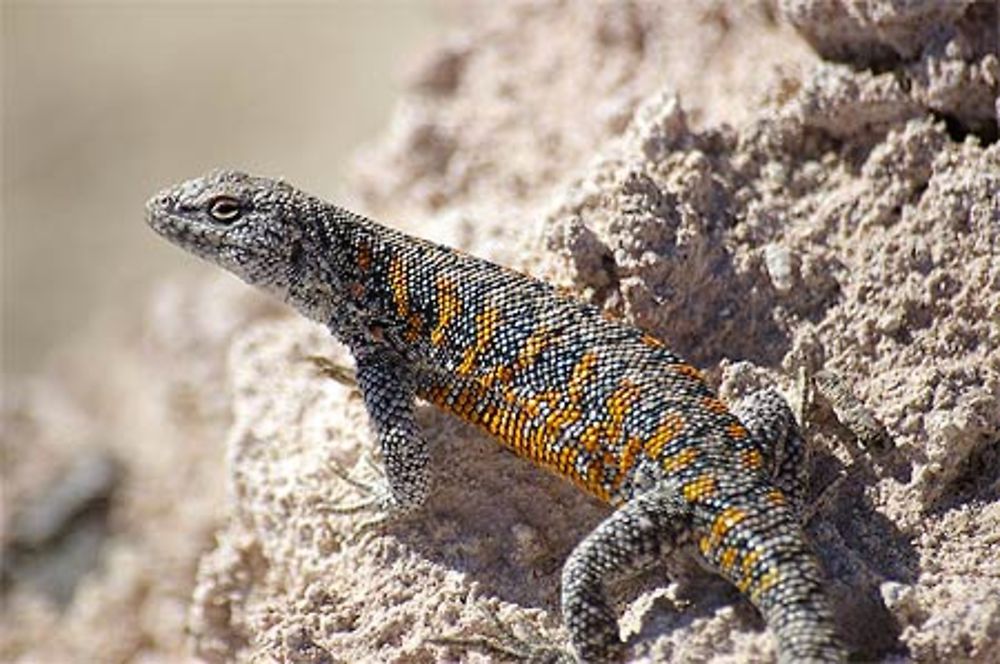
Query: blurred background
104, 103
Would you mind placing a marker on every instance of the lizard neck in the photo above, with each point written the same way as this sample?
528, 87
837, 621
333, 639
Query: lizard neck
321, 267
348, 277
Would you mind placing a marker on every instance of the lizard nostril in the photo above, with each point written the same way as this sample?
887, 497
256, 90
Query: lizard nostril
157, 205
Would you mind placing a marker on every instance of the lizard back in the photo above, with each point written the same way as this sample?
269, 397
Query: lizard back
596, 401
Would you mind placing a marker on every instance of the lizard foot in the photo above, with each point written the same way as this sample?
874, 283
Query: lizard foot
533, 648
327, 368
376, 504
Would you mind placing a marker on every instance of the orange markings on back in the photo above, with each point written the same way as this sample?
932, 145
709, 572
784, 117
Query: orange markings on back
414, 327
567, 459
511, 422
533, 347
651, 341
728, 558
522, 428
605, 436
617, 407
536, 439
724, 522
595, 478
448, 306
400, 289
436, 395
666, 431
728, 518
559, 419
531, 423
689, 371
492, 418
461, 403
620, 401
581, 375
590, 439
609, 459
736, 430
500, 374
715, 405
486, 326
681, 460
532, 405
776, 497
749, 562
629, 454
702, 487
764, 583
506, 424
364, 257
752, 459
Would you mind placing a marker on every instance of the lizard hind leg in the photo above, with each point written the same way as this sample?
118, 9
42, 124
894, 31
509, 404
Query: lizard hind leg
650, 525
772, 424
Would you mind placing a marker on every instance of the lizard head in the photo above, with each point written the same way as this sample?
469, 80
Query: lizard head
246, 224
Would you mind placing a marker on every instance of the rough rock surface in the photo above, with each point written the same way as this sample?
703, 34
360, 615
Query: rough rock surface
133, 418
946, 54
696, 171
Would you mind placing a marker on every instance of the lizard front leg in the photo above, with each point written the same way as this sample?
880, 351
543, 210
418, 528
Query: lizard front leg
387, 389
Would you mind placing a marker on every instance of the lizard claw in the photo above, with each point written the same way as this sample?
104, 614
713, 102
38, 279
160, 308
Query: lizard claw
376, 500
369, 488
329, 369
532, 648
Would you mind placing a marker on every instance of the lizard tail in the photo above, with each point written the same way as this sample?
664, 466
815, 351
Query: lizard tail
762, 551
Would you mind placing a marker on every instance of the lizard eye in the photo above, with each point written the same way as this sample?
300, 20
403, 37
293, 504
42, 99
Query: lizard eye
225, 209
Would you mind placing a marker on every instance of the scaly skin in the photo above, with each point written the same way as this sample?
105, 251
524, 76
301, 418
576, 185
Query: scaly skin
593, 400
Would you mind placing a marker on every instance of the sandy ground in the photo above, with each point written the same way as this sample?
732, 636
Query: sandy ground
772, 188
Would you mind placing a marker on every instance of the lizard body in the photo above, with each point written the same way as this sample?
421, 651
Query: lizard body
592, 399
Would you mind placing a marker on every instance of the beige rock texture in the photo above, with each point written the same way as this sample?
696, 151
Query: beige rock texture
768, 209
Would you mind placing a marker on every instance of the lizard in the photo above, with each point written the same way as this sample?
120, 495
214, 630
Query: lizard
597, 401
